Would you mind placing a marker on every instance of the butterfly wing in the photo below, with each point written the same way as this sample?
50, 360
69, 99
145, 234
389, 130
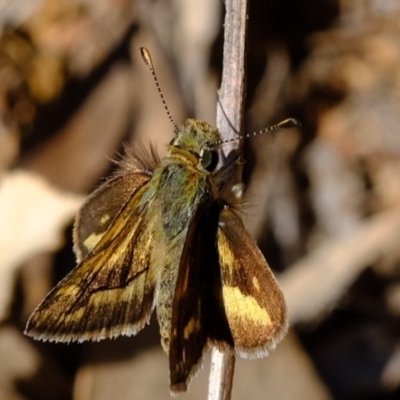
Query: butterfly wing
253, 301
110, 293
197, 316
101, 207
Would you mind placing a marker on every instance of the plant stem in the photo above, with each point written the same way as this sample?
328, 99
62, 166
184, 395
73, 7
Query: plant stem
229, 124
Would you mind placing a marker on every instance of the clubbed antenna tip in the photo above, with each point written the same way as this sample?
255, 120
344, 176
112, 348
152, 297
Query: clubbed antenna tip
285, 124
148, 61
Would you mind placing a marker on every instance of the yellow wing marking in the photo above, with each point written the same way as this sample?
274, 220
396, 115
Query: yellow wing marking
244, 308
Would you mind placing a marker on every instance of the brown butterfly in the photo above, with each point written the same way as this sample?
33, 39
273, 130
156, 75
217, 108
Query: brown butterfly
168, 234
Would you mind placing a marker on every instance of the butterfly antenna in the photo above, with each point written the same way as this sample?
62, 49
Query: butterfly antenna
286, 124
148, 61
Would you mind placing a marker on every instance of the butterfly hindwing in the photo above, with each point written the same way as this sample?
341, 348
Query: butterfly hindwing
110, 293
253, 301
101, 207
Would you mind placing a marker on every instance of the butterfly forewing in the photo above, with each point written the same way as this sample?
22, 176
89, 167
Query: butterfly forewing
253, 301
198, 317
188, 332
111, 291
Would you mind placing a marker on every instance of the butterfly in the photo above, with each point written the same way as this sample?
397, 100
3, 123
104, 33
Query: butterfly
168, 235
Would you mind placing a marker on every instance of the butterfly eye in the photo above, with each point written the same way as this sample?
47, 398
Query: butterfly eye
209, 160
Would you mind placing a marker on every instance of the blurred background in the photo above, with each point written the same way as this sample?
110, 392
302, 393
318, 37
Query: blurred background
323, 199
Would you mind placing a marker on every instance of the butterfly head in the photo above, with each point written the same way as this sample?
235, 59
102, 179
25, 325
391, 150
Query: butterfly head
199, 139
